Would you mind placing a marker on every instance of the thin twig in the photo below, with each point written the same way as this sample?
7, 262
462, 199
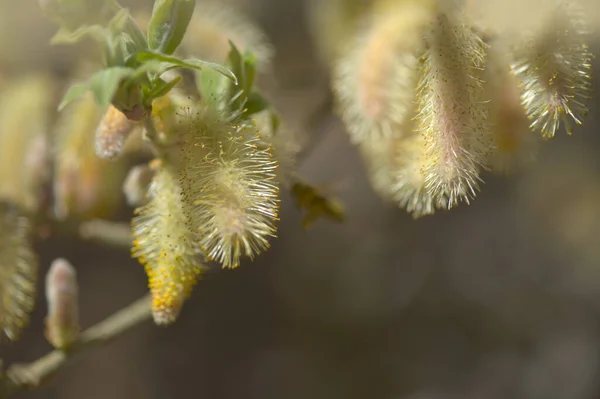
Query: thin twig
107, 232
29, 376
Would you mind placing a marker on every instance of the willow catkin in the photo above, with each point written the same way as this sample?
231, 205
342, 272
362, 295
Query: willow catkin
395, 168
230, 187
18, 271
166, 246
553, 67
453, 110
372, 81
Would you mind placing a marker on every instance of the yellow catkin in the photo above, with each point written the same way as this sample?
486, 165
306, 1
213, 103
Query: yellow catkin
18, 271
165, 245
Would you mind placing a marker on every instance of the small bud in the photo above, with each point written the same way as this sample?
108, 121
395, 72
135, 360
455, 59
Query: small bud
62, 295
112, 132
170, 19
136, 184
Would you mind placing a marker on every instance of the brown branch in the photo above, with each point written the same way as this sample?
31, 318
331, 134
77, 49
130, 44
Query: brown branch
29, 376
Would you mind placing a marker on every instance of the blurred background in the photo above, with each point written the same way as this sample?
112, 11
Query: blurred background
499, 299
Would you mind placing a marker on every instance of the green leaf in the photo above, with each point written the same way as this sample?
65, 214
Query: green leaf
145, 56
244, 68
168, 24
210, 84
73, 93
160, 89
255, 104
103, 85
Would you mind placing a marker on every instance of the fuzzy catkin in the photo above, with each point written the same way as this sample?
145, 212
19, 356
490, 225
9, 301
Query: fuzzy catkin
453, 110
373, 80
230, 187
553, 67
166, 246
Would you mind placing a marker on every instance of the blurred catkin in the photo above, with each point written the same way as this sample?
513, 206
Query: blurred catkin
18, 271
553, 66
25, 156
62, 296
375, 80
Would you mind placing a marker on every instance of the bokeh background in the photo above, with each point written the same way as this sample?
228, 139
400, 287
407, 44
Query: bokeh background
499, 299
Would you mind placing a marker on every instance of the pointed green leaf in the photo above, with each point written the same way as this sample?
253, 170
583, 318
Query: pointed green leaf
161, 88
103, 85
191, 63
73, 93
